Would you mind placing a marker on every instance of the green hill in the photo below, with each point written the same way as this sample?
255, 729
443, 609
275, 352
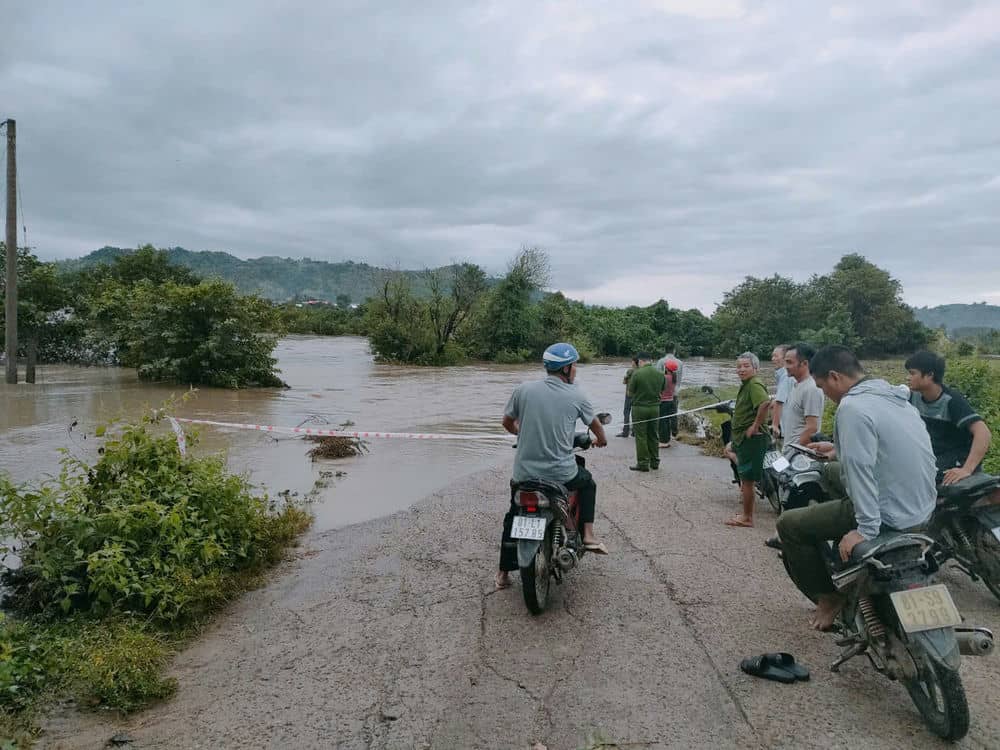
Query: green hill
978, 316
277, 279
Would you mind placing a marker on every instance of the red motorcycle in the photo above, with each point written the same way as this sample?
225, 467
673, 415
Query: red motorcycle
547, 531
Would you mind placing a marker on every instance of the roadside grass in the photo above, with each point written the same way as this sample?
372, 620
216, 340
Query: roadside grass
123, 561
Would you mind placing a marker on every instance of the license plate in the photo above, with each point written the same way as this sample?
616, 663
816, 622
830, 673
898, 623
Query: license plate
926, 608
528, 527
780, 464
770, 457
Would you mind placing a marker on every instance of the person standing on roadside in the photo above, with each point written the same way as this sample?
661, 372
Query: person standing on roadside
645, 387
802, 416
749, 443
783, 387
678, 373
628, 399
668, 403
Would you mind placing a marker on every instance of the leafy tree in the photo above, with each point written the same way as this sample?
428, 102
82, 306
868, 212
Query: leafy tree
205, 334
40, 294
397, 322
758, 314
507, 325
450, 304
882, 323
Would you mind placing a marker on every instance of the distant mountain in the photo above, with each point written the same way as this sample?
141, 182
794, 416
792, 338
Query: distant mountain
277, 279
975, 316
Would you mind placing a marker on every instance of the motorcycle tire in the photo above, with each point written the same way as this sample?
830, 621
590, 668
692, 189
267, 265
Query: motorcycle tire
987, 551
939, 697
769, 489
536, 578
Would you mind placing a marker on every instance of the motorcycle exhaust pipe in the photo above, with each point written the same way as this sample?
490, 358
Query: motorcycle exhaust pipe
565, 558
974, 642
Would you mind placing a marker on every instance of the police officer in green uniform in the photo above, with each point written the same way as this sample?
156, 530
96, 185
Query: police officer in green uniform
644, 388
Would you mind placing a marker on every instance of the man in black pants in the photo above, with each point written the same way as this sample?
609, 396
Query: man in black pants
628, 399
543, 414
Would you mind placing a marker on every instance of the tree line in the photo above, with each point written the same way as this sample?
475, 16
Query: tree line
857, 304
141, 310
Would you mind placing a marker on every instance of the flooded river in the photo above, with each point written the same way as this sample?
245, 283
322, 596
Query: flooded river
332, 379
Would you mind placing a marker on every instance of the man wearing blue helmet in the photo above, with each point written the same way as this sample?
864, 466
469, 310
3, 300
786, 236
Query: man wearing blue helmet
543, 415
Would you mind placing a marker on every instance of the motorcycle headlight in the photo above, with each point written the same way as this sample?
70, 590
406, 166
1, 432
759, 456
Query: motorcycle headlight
801, 463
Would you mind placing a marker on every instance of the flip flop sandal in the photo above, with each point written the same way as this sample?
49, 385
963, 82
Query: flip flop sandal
787, 662
759, 666
597, 548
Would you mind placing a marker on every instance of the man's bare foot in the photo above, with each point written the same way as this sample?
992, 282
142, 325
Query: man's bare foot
827, 609
502, 580
593, 544
739, 521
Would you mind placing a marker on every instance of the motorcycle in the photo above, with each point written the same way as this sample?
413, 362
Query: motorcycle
907, 625
966, 527
547, 531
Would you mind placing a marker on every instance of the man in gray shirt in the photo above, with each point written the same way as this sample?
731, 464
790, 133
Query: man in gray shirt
543, 414
802, 415
888, 470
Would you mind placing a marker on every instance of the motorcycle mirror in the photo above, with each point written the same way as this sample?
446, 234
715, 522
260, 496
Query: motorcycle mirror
604, 418
707, 389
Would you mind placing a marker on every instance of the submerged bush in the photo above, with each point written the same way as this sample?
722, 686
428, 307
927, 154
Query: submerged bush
119, 557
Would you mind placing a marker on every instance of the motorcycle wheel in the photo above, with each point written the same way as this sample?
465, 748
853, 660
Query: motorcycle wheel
940, 698
769, 489
987, 550
536, 578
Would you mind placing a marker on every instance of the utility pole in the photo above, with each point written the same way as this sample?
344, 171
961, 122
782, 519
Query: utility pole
11, 309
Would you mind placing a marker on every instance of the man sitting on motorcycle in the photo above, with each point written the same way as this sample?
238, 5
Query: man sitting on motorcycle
959, 436
888, 471
543, 415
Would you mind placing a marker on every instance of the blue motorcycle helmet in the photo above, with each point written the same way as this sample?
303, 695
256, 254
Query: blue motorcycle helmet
560, 355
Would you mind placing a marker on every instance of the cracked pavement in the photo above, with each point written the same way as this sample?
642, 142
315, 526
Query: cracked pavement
389, 634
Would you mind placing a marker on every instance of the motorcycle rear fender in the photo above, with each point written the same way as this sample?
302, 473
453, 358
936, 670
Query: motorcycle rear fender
526, 550
806, 477
940, 645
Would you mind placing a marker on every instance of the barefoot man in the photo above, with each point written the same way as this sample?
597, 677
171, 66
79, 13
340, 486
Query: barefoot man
887, 467
749, 443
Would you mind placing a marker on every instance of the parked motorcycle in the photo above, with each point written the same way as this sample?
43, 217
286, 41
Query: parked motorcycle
966, 527
907, 625
547, 531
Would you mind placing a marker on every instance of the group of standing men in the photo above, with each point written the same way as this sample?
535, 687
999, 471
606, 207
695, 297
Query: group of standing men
651, 396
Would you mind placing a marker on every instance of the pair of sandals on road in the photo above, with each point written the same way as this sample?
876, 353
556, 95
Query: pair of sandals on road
780, 667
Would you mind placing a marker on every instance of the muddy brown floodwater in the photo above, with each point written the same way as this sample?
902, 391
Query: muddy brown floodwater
332, 379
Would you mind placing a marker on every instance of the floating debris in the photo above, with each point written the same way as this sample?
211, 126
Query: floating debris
336, 447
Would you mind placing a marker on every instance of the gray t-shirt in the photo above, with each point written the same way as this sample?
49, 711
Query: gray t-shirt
547, 411
805, 400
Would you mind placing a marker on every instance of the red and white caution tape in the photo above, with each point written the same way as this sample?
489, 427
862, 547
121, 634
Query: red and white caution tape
366, 435
346, 433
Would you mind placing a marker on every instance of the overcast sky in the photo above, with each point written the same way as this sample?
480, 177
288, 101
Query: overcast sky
658, 148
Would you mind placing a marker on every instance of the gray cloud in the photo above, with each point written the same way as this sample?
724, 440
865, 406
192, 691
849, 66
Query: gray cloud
660, 148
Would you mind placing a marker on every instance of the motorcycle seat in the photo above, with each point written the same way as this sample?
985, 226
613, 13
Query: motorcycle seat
980, 482
884, 542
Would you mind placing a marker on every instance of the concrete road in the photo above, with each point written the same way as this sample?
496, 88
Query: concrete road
389, 635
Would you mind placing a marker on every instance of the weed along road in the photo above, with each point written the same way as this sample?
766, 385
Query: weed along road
389, 634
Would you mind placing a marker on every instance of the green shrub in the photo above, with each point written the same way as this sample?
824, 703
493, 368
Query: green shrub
979, 381
122, 558
142, 530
